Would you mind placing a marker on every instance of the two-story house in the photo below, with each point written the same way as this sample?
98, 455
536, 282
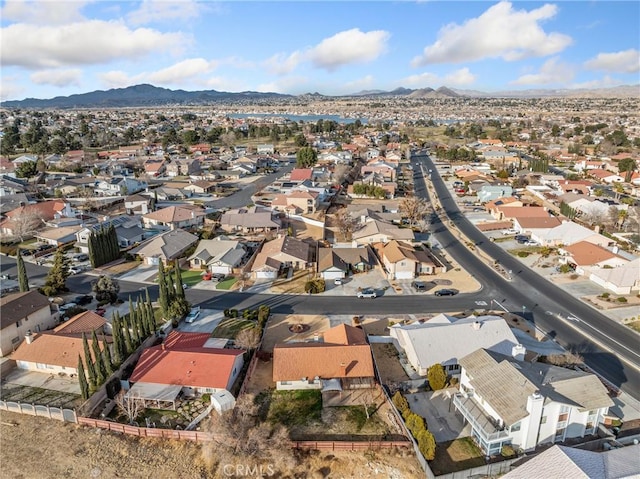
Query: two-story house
23, 312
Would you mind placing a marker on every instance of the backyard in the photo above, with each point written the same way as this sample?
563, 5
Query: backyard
230, 327
35, 395
457, 455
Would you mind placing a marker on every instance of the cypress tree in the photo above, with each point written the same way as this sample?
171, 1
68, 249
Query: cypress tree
163, 297
118, 340
91, 370
92, 250
142, 320
178, 281
114, 242
106, 357
23, 280
128, 342
101, 370
133, 332
82, 379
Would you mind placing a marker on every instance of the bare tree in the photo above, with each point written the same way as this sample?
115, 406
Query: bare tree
346, 224
26, 223
565, 359
228, 139
131, 407
413, 208
248, 338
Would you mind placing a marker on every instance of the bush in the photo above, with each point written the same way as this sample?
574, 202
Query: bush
437, 377
565, 268
415, 424
453, 382
622, 299
523, 254
605, 295
315, 286
206, 398
507, 451
400, 402
426, 444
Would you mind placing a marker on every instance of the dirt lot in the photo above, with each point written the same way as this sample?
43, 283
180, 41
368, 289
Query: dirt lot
388, 364
38, 448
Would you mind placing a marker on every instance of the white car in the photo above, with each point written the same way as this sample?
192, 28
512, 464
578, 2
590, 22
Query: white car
510, 231
193, 315
367, 293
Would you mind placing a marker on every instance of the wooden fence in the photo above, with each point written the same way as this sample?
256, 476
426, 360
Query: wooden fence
349, 446
196, 436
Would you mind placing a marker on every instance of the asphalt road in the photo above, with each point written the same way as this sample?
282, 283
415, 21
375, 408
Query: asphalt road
608, 348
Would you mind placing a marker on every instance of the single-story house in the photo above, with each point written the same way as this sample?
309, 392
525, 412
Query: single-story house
341, 361
339, 262
569, 233
184, 363
165, 247
58, 236
218, 256
174, 217
279, 253
377, 231
403, 261
583, 254
429, 342
250, 220
623, 279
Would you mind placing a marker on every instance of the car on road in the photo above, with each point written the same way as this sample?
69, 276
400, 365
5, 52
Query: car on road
193, 315
366, 293
65, 307
509, 231
419, 286
82, 257
446, 292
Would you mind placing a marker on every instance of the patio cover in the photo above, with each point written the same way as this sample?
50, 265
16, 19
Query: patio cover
154, 392
331, 385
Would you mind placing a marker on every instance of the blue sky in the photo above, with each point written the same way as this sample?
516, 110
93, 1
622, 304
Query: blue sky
50, 48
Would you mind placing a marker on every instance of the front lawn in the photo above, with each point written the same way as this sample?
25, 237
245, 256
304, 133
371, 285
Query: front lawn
230, 327
191, 277
457, 455
227, 283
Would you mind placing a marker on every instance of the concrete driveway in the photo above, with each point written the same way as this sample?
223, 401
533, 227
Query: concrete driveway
437, 409
141, 274
206, 322
35, 379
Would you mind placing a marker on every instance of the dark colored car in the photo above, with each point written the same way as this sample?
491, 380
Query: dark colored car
101, 311
419, 286
522, 239
446, 292
82, 257
84, 299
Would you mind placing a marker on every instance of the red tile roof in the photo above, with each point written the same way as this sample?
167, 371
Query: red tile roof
301, 174
85, 322
53, 349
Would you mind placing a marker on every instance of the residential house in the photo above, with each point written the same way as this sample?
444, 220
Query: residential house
265, 149
183, 167
623, 279
278, 254
170, 193
535, 226
57, 351
403, 261
502, 212
244, 164
341, 361
201, 187
296, 202
429, 342
23, 312
386, 170
137, 204
606, 176
340, 262
509, 402
128, 231
570, 233
58, 236
562, 462
118, 186
185, 363
583, 254
165, 247
218, 256
250, 220
155, 167
26, 219
377, 231
175, 217
493, 192
509, 201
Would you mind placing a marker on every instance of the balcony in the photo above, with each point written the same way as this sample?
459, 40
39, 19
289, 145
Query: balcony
482, 423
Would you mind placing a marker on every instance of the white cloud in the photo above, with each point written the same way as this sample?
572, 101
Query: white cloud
58, 78
81, 43
350, 46
293, 85
500, 32
49, 12
181, 71
10, 88
627, 61
364, 83
463, 76
223, 84
155, 11
550, 72
605, 82
281, 64
119, 79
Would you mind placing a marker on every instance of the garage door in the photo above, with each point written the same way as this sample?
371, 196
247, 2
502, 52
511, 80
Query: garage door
332, 274
404, 275
266, 274
220, 269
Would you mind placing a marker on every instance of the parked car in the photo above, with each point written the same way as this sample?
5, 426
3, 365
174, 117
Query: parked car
446, 292
510, 231
83, 299
531, 243
419, 286
82, 257
338, 281
101, 311
66, 307
522, 239
367, 293
193, 315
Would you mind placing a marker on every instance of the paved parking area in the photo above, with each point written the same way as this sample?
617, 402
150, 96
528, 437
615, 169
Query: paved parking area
42, 380
437, 409
141, 274
206, 322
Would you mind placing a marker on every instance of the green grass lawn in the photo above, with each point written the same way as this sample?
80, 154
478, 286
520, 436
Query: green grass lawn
227, 283
191, 277
230, 327
457, 455
292, 408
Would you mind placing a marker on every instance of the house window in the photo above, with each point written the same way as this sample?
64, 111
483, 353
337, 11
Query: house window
543, 420
15, 340
18, 324
515, 427
285, 383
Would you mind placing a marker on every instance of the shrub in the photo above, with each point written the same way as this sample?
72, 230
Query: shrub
507, 451
426, 444
622, 299
565, 268
206, 398
415, 424
574, 276
453, 382
437, 377
604, 295
315, 286
400, 402
523, 254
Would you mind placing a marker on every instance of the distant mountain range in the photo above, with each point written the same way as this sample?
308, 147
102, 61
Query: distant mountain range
149, 96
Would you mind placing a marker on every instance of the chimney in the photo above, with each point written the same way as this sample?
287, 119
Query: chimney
476, 325
163, 347
343, 370
28, 337
193, 214
518, 352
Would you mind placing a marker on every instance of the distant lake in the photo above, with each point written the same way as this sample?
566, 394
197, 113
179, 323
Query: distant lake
298, 118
